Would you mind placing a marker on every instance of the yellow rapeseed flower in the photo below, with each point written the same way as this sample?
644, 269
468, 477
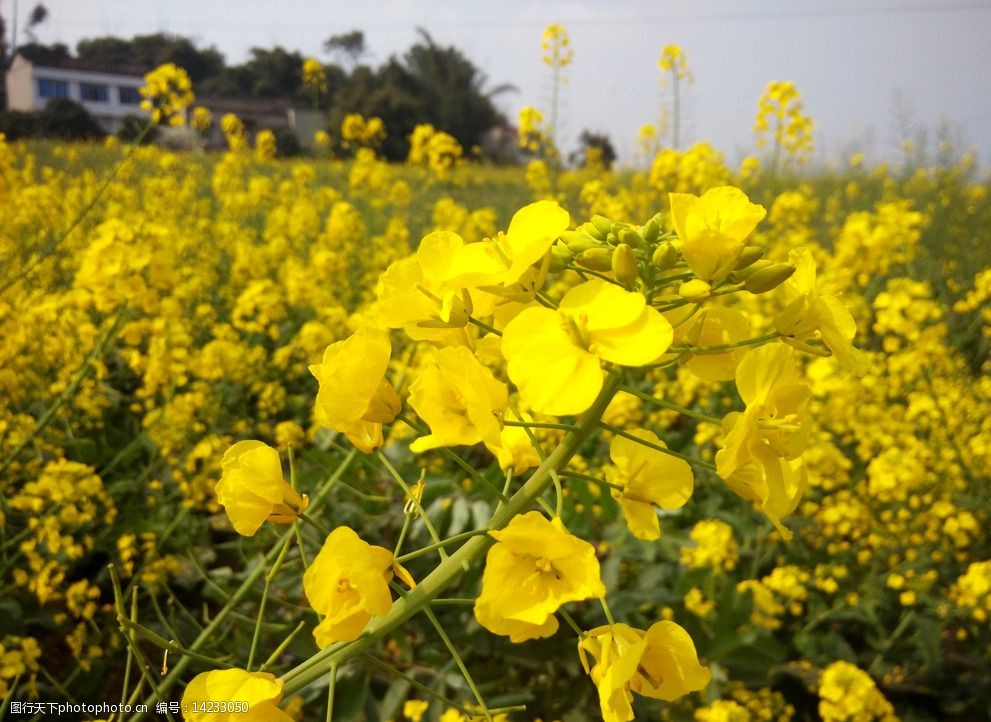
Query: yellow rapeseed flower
760, 458
660, 663
260, 691
166, 93
554, 356
807, 312
534, 568
253, 490
647, 477
354, 397
712, 229
348, 582
460, 400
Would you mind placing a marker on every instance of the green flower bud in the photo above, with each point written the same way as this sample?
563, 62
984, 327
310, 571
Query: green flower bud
651, 230
630, 237
578, 241
560, 257
744, 273
624, 264
612, 239
602, 224
665, 257
769, 278
598, 259
750, 254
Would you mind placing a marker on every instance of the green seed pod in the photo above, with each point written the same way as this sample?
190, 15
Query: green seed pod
665, 257
769, 278
624, 264
750, 254
578, 241
598, 259
630, 237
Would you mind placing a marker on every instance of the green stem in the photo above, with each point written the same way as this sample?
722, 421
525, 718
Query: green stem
450, 569
261, 605
484, 326
439, 545
314, 523
724, 347
331, 685
588, 477
398, 478
282, 647
670, 405
458, 661
571, 622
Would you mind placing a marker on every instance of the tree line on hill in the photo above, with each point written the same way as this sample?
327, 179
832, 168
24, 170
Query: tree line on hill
429, 83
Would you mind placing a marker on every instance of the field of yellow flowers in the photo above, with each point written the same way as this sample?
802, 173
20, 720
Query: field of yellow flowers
316, 438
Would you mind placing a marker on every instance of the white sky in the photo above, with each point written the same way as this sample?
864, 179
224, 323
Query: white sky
849, 58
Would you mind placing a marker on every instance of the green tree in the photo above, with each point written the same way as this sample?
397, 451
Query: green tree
588, 140
348, 47
429, 84
149, 51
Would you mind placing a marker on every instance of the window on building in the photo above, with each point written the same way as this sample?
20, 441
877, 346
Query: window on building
129, 95
94, 92
48, 88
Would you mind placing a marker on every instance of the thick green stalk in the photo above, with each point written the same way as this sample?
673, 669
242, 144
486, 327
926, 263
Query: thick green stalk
447, 571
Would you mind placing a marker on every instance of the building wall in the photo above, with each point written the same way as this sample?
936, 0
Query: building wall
20, 90
24, 82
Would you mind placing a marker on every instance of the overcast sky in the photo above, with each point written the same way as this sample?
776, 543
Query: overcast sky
849, 58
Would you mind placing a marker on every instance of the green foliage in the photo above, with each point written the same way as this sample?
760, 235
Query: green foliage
132, 127
150, 51
65, 119
287, 143
18, 124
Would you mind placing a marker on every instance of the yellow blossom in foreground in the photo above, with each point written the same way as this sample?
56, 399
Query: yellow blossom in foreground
808, 311
354, 397
252, 488
501, 261
659, 663
261, 692
348, 582
760, 456
646, 477
460, 400
713, 228
534, 567
554, 356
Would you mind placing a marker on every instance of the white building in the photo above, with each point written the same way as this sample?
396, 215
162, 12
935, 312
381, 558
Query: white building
108, 96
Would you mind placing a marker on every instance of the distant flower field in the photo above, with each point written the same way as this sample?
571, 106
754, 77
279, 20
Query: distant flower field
332, 437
